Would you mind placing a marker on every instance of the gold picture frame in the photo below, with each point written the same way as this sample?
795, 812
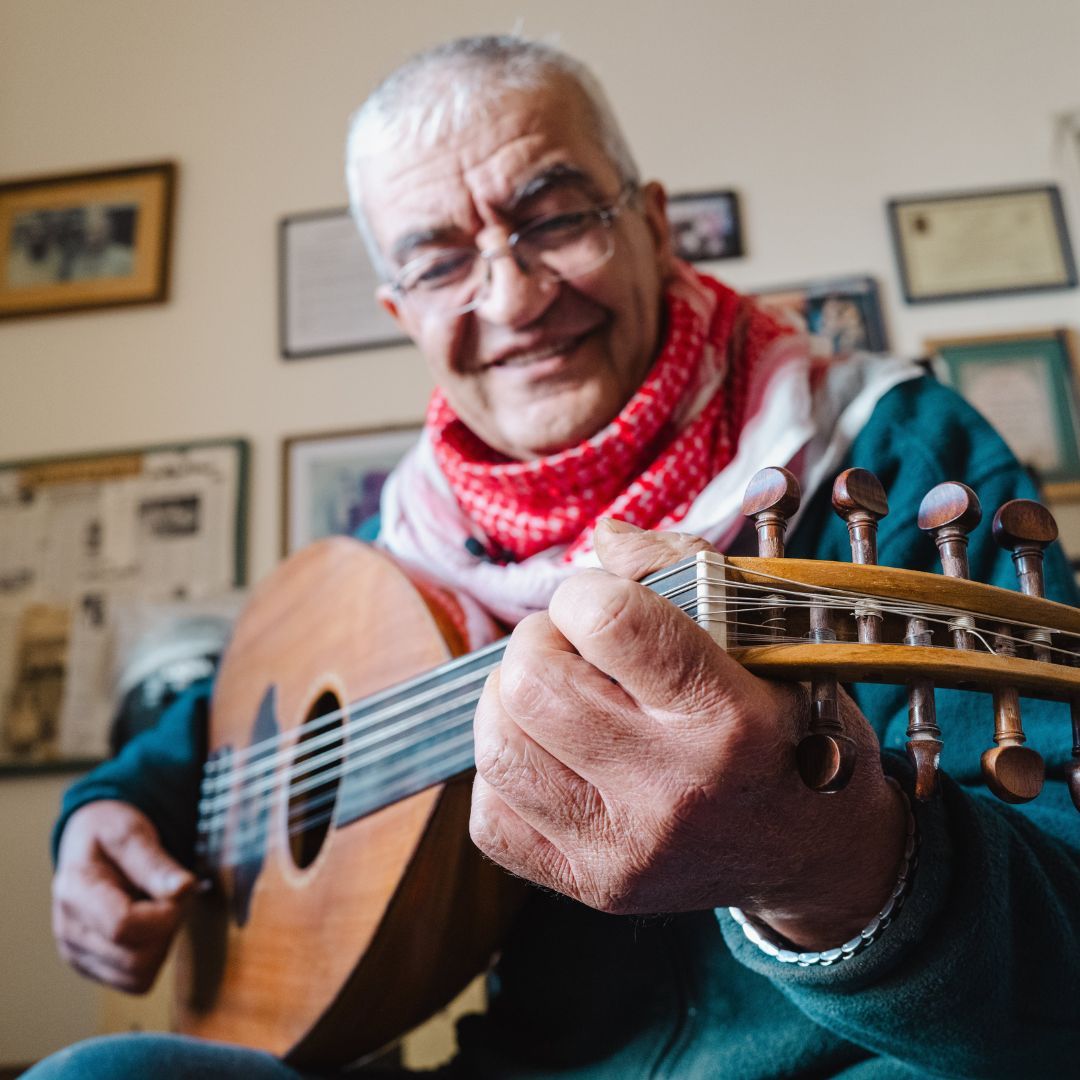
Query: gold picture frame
79, 241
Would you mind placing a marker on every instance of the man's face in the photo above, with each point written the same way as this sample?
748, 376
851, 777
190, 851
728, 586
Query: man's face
538, 365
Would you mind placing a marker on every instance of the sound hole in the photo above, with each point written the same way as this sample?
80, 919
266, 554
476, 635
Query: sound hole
315, 776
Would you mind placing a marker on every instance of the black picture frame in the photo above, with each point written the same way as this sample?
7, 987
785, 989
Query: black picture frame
326, 289
706, 226
976, 244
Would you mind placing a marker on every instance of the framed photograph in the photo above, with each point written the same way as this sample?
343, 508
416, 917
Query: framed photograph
327, 302
841, 314
333, 480
1025, 384
983, 243
86, 240
706, 225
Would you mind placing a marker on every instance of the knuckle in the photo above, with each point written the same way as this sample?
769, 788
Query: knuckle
116, 926
526, 687
599, 604
486, 834
130, 842
500, 764
65, 893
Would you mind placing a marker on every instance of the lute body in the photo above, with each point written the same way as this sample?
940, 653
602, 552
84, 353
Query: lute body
343, 948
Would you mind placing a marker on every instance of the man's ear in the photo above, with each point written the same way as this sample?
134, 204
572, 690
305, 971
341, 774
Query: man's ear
654, 206
387, 298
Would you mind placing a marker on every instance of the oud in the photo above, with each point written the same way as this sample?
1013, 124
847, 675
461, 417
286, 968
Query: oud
347, 904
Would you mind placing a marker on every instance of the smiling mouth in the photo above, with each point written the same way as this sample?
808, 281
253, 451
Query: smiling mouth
528, 357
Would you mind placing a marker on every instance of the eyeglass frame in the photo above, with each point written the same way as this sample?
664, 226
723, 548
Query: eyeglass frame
606, 216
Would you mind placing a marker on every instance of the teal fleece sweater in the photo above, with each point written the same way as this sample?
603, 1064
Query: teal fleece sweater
979, 976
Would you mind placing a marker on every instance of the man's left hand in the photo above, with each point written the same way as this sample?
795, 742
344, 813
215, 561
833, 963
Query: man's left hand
627, 761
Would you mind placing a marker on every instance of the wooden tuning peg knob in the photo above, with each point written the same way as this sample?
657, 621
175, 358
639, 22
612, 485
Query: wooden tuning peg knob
859, 498
1014, 773
949, 512
826, 760
1025, 527
771, 497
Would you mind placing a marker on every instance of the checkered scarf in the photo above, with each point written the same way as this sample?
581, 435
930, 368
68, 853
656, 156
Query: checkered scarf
646, 467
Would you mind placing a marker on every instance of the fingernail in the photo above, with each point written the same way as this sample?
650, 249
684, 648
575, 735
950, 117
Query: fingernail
615, 525
174, 880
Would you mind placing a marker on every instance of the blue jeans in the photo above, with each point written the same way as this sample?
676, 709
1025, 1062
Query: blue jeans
171, 1057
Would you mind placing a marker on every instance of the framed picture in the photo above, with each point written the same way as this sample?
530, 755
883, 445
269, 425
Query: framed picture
327, 302
333, 480
706, 225
86, 240
88, 538
841, 314
982, 243
1025, 384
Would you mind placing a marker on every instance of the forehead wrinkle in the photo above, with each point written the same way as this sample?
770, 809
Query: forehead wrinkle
554, 176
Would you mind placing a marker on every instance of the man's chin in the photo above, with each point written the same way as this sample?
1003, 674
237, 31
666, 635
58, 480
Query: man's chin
550, 430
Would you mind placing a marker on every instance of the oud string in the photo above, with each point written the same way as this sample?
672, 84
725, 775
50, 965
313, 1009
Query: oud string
227, 779
306, 775
939, 615
382, 723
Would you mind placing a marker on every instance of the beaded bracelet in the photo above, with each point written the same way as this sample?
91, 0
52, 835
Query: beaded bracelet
780, 950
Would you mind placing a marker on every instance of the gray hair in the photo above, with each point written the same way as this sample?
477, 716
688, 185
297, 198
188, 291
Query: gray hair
444, 89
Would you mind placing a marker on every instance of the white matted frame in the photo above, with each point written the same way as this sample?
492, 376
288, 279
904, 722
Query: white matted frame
332, 480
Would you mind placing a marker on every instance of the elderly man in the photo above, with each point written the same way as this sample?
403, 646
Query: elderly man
593, 392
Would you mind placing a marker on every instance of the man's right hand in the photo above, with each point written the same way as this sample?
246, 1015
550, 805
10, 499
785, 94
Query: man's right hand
117, 895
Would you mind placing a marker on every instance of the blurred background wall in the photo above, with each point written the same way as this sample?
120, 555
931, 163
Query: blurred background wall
816, 111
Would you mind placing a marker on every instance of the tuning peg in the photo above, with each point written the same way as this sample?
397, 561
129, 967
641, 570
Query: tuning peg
1025, 527
948, 512
771, 497
1013, 771
825, 756
859, 498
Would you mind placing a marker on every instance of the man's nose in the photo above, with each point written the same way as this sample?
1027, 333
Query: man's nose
515, 294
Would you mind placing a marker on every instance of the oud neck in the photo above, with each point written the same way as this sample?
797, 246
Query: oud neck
419, 733
414, 735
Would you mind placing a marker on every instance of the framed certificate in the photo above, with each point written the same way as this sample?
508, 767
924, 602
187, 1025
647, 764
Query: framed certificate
1025, 384
978, 244
328, 284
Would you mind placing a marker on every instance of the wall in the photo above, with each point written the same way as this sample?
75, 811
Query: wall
816, 111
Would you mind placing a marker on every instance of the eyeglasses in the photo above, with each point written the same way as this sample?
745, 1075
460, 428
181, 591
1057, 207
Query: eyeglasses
564, 246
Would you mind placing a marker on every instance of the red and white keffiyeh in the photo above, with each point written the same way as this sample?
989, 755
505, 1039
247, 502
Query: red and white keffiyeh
731, 391
646, 467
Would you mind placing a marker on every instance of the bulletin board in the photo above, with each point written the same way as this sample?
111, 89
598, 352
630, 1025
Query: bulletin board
80, 537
